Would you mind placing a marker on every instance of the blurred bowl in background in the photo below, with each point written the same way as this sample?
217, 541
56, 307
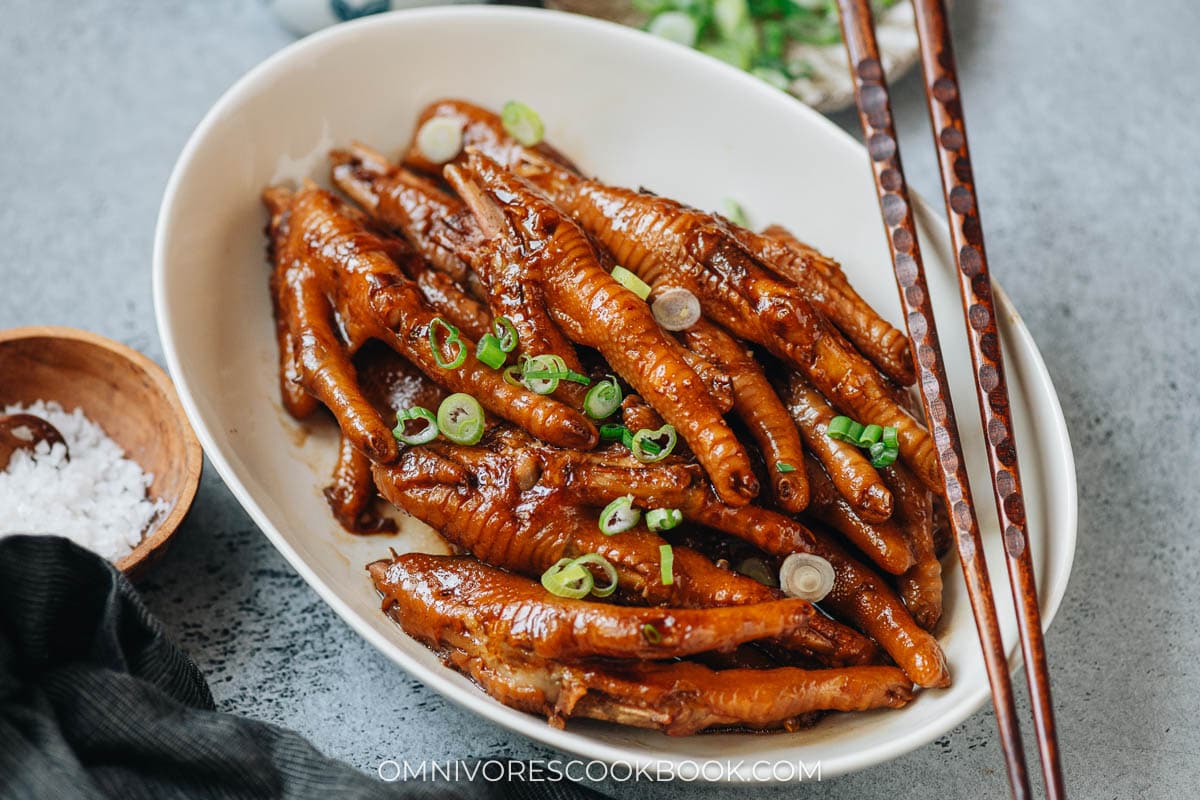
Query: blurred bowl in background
822, 75
303, 17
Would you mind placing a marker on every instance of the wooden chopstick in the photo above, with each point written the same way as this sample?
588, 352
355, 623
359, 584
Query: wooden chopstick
875, 113
975, 285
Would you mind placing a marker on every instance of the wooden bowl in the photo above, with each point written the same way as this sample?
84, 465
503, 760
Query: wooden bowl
124, 392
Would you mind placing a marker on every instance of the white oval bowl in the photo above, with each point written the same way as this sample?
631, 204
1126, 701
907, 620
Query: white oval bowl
634, 110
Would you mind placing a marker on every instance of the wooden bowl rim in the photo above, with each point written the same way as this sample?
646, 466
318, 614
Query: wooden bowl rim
194, 454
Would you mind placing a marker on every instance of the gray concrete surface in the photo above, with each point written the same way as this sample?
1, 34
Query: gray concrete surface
1083, 118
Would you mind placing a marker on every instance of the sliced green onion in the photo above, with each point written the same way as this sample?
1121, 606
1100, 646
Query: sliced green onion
568, 579
891, 437
631, 282
506, 332
440, 139
882, 455
610, 572
731, 16
619, 516
651, 633
663, 519
733, 53
453, 341
460, 419
642, 452
870, 435
614, 432
734, 213
522, 123
425, 433
558, 374
603, 399
774, 38
806, 576
800, 68
488, 351
676, 309
542, 373
666, 564
538, 371
512, 375
784, 467
651, 7
881, 443
572, 578
649, 446
844, 429
774, 77
815, 24
675, 26
555, 361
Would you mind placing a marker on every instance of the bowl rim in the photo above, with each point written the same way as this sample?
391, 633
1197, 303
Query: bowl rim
151, 547
261, 75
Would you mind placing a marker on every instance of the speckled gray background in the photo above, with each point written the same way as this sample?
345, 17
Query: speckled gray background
1083, 117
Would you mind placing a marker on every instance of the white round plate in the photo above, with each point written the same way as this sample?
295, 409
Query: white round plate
636, 111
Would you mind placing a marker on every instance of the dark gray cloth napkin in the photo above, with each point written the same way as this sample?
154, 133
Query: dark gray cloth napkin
96, 701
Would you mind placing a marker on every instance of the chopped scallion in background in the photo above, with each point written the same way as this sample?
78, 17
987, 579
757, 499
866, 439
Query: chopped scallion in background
752, 35
675, 26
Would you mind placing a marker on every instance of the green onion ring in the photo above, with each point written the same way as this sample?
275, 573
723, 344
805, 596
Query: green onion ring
512, 375
460, 419
452, 340
568, 579
784, 467
646, 437
838, 427
522, 123
537, 371
603, 399
422, 436
891, 437
881, 442
615, 432
557, 374
506, 332
663, 519
870, 435
610, 572
651, 634
489, 351
619, 516
882, 455
844, 429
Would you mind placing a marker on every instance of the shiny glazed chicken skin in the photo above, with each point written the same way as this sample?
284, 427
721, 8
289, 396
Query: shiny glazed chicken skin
332, 268
663, 621
524, 508
666, 242
540, 654
585, 302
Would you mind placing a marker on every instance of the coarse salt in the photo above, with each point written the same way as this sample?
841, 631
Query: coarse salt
97, 498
